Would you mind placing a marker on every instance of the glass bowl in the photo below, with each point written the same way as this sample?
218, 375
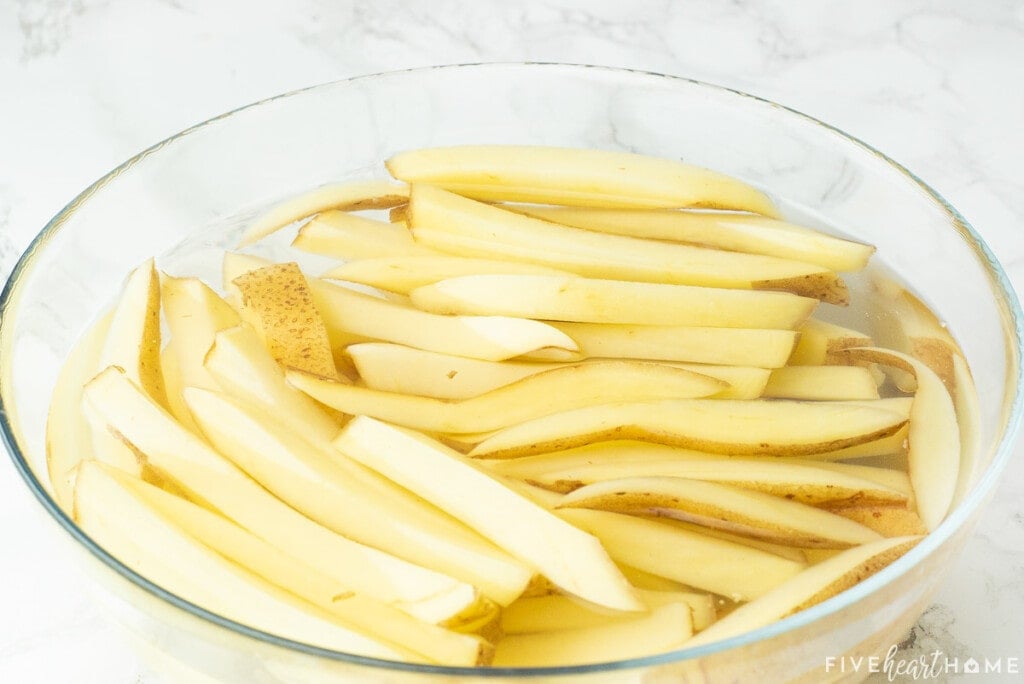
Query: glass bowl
187, 197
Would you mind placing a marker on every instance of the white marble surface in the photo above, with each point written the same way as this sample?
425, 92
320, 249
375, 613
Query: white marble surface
84, 84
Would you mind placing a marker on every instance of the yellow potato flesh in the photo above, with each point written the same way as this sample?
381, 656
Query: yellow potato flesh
491, 338
559, 389
783, 428
698, 560
351, 196
569, 558
723, 230
734, 509
812, 586
366, 615
590, 300
495, 231
318, 484
559, 173
152, 545
209, 477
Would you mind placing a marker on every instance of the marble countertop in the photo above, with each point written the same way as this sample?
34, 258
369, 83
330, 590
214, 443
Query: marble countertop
84, 84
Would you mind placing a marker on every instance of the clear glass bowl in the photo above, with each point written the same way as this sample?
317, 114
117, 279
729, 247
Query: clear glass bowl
186, 198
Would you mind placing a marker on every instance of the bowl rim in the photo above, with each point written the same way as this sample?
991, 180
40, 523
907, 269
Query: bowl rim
1013, 324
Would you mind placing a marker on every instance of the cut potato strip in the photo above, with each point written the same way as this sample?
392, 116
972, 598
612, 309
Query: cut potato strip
600, 255
554, 613
814, 585
68, 433
733, 231
750, 513
597, 455
132, 344
277, 303
821, 383
194, 314
173, 385
818, 339
315, 484
347, 236
397, 368
370, 617
491, 338
733, 570
968, 417
589, 300
798, 555
893, 445
745, 382
407, 370
559, 389
403, 274
133, 339
906, 325
209, 477
723, 346
664, 629
243, 368
570, 559
782, 428
933, 437
806, 482
558, 175
152, 545
888, 521
350, 196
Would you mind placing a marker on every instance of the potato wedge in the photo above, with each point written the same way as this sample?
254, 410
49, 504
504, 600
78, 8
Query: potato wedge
369, 617
194, 314
733, 231
821, 383
797, 555
276, 301
818, 339
572, 560
557, 175
665, 628
733, 570
347, 236
559, 389
599, 255
405, 370
888, 521
554, 613
933, 437
799, 480
403, 274
133, 344
814, 585
150, 543
905, 324
590, 300
782, 428
210, 478
968, 418
68, 434
349, 196
759, 347
734, 509
491, 338
317, 484
133, 340
243, 368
